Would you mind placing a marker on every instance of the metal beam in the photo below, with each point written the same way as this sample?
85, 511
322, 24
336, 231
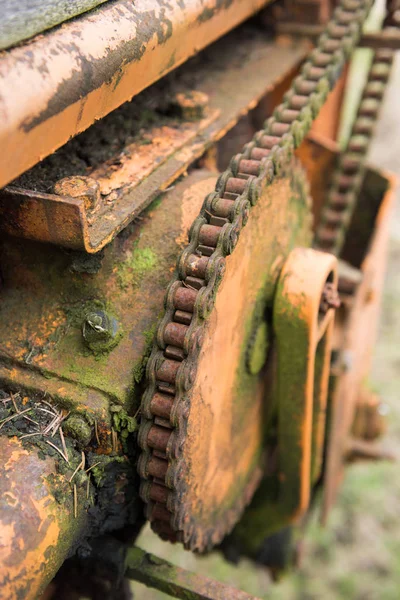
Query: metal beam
162, 575
59, 84
37, 531
142, 171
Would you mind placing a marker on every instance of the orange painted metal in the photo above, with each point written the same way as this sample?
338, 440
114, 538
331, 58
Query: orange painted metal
43, 348
318, 155
328, 121
355, 336
369, 421
58, 84
304, 338
87, 216
36, 531
218, 421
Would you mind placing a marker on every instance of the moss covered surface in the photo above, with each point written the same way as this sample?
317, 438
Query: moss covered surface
132, 271
100, 488
128, 285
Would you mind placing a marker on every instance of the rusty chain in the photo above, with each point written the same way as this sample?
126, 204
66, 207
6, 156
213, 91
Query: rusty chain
171, 368
350, 170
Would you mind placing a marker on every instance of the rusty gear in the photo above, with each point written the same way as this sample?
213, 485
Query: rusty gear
191, 295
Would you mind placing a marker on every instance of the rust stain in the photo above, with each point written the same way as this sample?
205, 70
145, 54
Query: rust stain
92, 66
192, 200
140, 159
31, 523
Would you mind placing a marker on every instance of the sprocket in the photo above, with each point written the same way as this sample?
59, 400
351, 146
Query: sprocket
203, 428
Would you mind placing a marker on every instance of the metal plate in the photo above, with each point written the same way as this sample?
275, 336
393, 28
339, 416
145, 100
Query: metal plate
214, 450
60, 83
137, 173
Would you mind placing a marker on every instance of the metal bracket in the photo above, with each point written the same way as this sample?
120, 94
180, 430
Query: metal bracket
304, 335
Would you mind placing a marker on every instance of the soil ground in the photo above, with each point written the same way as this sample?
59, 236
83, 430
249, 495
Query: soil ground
357, 557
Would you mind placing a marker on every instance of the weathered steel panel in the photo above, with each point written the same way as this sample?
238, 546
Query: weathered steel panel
180, 583
132, 178
58, 85
36, 530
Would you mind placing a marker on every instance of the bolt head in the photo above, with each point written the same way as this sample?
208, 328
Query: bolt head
100, 331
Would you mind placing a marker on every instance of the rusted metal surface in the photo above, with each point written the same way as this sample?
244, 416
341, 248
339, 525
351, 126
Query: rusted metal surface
261, 533
36, 531
60, 83
329, 299
252, 175
348, 176
326, 125
354, 342
304, 339
203, 435
310, 11
299, 29
358, 449
369, 421
220, 408
302, 17
318, 155
44, 348
370, 39
174, 581
88, 210
58, 490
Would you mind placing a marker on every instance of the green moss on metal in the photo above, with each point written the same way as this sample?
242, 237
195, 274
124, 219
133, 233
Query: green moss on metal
140, 367
164, 576
293, 352
246, 381
101, 464
291, 325
108, 338
263, 517
124, 424
131, 271
257, 352
89, 373
77, 427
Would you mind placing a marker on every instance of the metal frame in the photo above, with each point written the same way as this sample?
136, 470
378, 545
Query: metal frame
59, 84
